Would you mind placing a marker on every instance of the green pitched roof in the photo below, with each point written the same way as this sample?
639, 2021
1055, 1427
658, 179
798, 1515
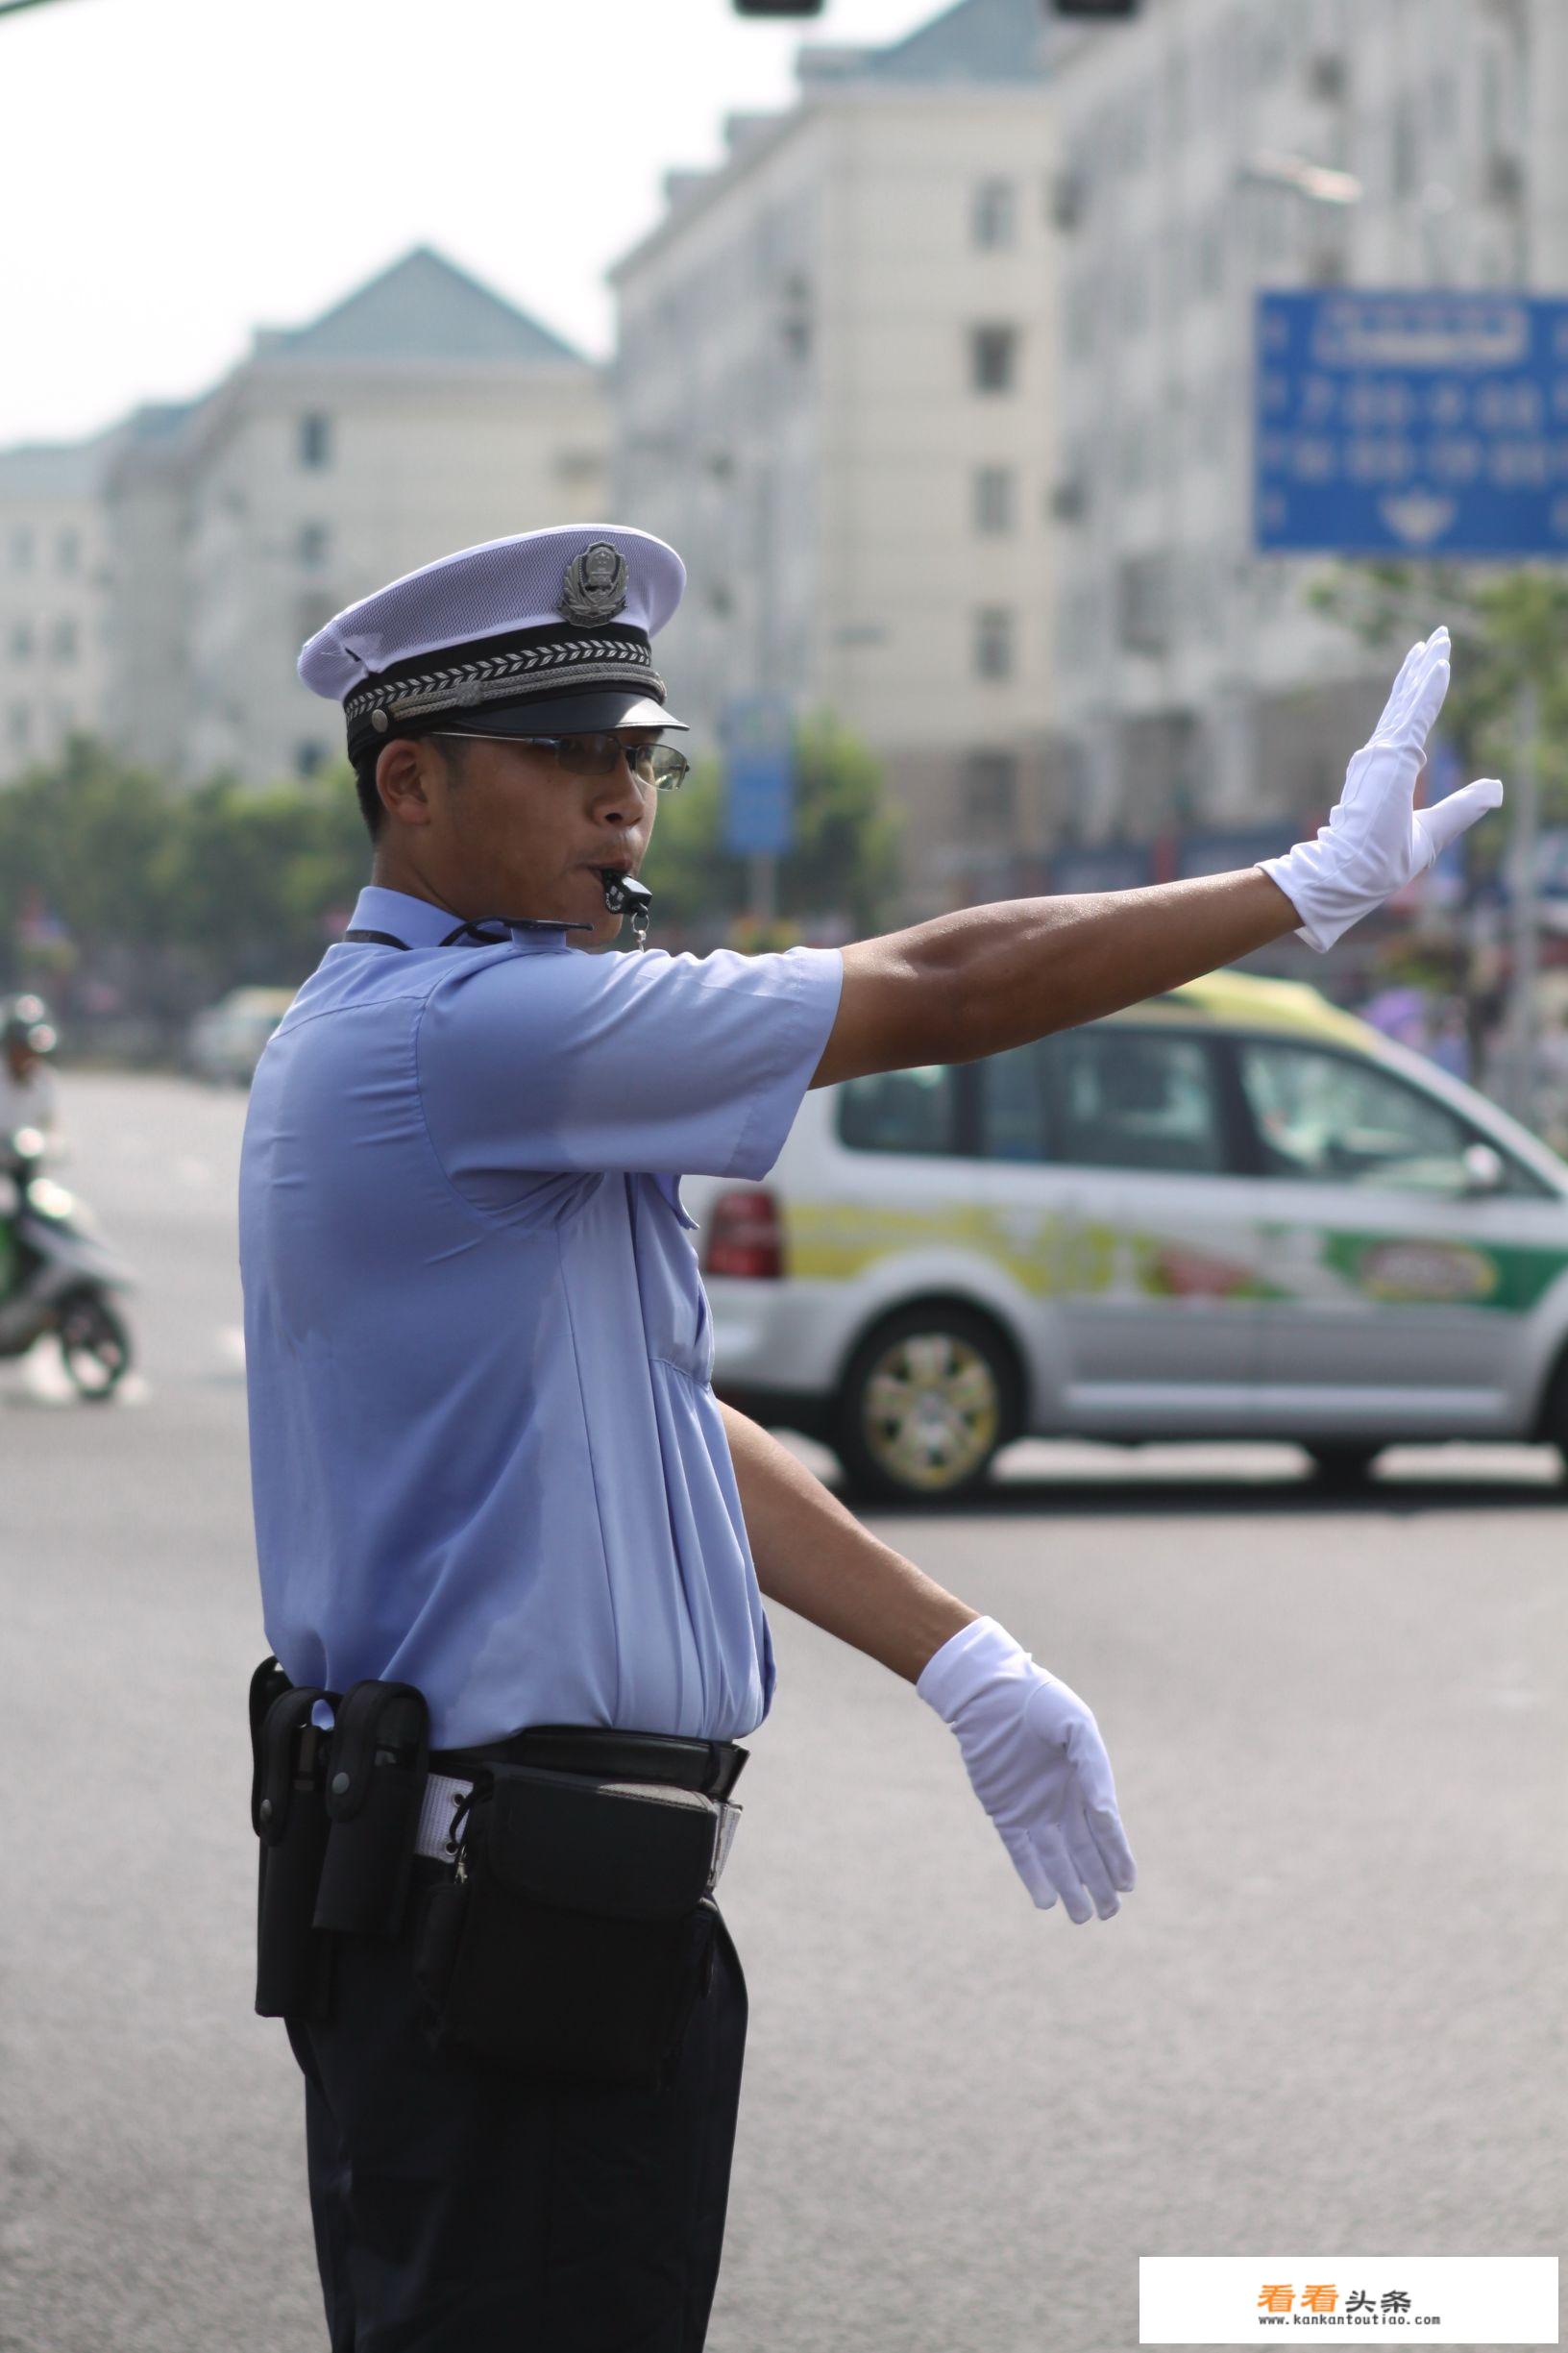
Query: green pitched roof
53, 469
979, 40
423, 308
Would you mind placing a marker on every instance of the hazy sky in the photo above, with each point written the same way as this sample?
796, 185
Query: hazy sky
174, 172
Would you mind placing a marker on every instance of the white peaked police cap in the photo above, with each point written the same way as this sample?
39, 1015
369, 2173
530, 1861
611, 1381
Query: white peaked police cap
547, 633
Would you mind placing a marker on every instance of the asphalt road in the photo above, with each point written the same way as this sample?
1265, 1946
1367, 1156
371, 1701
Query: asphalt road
1331, 2017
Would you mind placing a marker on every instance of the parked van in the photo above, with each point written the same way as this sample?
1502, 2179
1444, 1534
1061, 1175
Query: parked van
1232, 1211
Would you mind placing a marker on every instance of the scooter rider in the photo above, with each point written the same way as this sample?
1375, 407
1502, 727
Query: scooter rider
27, 1083
27, 1101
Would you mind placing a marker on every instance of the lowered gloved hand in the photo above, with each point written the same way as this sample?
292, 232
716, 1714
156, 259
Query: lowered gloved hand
1375, 842
1038, 1765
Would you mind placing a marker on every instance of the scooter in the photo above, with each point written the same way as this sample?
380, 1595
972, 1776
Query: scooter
66, 1277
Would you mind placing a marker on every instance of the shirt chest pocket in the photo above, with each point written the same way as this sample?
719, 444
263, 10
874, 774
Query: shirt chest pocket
676, 1319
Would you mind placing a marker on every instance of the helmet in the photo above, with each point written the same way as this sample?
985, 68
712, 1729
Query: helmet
24, 1021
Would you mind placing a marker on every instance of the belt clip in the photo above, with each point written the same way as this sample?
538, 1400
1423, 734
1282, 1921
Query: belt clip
456, 1840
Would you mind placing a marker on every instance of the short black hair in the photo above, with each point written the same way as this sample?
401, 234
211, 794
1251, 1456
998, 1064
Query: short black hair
372, 807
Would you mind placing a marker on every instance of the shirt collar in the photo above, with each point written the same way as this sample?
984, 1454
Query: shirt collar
423, 924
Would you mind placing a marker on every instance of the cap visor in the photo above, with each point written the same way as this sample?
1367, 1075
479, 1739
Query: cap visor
565, 715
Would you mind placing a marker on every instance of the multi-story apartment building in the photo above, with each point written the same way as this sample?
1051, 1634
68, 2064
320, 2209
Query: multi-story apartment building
833, 393
422, 414
54, 574
155, 585
1200, 688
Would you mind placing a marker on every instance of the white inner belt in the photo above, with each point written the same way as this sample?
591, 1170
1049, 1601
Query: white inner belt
436, 1815
439, 1810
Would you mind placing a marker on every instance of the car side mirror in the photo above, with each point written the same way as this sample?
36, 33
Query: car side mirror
1483, 1170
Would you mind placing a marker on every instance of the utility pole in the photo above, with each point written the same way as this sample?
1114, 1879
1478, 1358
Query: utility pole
1524, 904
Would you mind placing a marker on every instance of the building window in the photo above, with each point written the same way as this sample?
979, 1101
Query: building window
991, 791
994, 359
994, 642
1404, 145
315, 439
21, 641
1134, 453
312, 613
1081, 315
579, 467
1144, 601
21, 727
900, 1111
1134, 295
309, 757
1327, 265
1209, 259
993, 218
312, 545
794, 317
996, 499
68, 552
62, 643
22, 550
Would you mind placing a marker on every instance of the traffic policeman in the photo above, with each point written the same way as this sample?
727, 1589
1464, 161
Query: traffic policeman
513, 1553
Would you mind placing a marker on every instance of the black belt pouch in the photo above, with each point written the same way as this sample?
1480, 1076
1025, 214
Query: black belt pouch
294, 1961
574, 1944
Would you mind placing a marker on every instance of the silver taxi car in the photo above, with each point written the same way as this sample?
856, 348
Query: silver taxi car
1232, 1211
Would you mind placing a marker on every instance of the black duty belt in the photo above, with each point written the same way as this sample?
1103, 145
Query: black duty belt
712, 1766
341, 1816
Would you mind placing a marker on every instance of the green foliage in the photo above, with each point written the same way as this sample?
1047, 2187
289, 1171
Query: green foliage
170, 895
842, 863
1507, 628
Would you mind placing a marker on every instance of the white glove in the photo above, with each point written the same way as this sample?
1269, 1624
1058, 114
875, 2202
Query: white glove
1374, 842
1038, 1765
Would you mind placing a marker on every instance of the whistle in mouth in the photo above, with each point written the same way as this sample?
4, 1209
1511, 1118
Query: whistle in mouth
624, 897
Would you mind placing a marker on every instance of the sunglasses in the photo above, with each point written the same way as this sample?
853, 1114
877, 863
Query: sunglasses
597, 755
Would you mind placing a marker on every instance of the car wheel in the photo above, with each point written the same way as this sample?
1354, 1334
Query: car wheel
1552, 1427
928, 1398
1344, 1468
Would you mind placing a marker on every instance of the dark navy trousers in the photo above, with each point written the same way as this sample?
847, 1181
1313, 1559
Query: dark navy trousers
461, 2210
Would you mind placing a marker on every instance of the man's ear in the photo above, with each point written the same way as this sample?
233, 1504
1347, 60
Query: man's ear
406, 768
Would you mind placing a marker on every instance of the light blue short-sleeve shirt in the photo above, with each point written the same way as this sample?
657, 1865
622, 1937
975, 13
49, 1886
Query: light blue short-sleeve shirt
485, 1454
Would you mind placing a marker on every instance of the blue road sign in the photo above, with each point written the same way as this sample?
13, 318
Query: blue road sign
1411, 424
758, 741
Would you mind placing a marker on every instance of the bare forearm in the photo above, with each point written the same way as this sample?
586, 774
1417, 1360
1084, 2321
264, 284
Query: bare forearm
815, 1557
1000, 976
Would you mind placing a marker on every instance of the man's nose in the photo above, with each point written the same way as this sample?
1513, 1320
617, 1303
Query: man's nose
618, 799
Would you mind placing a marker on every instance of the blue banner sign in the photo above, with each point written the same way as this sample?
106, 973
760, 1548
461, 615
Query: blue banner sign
758, 739
1411, 424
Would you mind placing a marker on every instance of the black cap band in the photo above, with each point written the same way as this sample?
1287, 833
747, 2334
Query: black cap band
531, 665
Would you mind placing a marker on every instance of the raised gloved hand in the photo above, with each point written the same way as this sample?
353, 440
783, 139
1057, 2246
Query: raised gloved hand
1038, 1765
1375, 842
